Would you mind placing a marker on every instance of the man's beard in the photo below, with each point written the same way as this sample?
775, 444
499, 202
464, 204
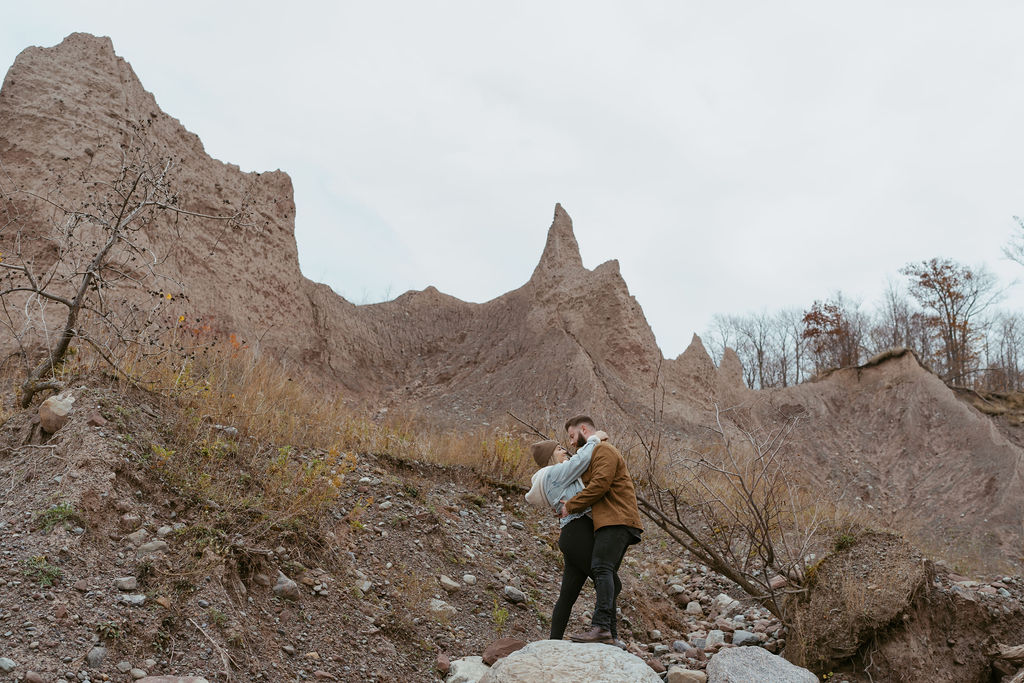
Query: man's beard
581, 440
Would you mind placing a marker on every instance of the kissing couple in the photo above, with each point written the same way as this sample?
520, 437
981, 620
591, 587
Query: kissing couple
593, 496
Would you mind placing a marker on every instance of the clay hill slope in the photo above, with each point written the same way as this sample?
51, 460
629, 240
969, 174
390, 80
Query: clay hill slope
569, 339
908, 448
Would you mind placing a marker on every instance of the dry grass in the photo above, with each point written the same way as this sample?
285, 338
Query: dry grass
265, 451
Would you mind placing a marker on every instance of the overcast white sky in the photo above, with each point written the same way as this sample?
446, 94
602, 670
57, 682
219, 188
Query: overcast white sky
733, 156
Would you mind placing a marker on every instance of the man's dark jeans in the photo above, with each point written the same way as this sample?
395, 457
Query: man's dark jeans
610, 543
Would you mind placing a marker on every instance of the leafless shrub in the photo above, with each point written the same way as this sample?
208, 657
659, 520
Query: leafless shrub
733, 500
78, 262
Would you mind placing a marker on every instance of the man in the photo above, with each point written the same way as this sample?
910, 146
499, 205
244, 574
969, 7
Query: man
608, 491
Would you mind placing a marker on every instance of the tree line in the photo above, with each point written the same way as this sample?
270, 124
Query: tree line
945, 311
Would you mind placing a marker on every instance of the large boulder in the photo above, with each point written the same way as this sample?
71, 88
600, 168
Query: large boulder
556, 661
743, 664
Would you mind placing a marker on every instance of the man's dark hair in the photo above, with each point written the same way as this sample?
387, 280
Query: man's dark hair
579, 420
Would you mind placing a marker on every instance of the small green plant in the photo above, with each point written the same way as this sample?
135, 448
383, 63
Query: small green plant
499, 616
38, 569
217, 618
61, 514
109, 630
844, 541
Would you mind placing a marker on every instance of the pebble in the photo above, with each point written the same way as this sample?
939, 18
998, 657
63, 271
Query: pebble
7, 665
126, 583
137, 673
33, 677
514, 595
286, 588
715, 637
741, 637
151, 547
124, 667
134, 599
469, 579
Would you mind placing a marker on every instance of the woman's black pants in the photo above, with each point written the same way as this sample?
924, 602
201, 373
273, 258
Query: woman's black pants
577, 545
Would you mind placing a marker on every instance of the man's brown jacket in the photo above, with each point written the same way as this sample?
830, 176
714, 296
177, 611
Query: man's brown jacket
609, 491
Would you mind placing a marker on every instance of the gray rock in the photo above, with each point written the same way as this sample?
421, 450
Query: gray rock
364, 586
138, 537
151, 547
137, 674
286, 588
677, 674
715, 637
514, 595
96, 656
126, 583
135, 599
680, 645
469, 579
467, 670
7, 665
440, 609
741, 637
693, 607
551, 661
164, 531
450, 585
736, 664
727, 605
124, 667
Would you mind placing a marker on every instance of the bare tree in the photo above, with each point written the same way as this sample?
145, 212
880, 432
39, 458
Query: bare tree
85, 269
735, 504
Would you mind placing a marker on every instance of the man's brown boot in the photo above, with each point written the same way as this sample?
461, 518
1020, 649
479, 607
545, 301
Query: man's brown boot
594, 635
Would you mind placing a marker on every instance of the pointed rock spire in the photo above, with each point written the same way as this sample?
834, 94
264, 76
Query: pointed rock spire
561, 252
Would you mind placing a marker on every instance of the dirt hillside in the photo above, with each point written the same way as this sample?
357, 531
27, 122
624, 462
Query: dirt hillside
569, 339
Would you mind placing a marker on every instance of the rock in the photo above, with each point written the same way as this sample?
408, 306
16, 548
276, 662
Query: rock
164, 531
551, 661
736, 664
81, 585
502, 647
467, 670
715, 637
173, 679
364, 586
137, 538
440, 609
33, 677
126, 583
727, 605
164, 602
778, 582
677, 674
262, 579
150, 548
656, 665
514, 595
96, 420
7, 665
54, 412
450, 585
286, 588
137, 674
680, 645
469, 579
124, 667
693, 607
96, 656
741, 637
324, 675
134, 599
442, 664
655, 634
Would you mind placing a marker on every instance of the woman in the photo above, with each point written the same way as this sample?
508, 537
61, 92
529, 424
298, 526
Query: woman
558, 479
